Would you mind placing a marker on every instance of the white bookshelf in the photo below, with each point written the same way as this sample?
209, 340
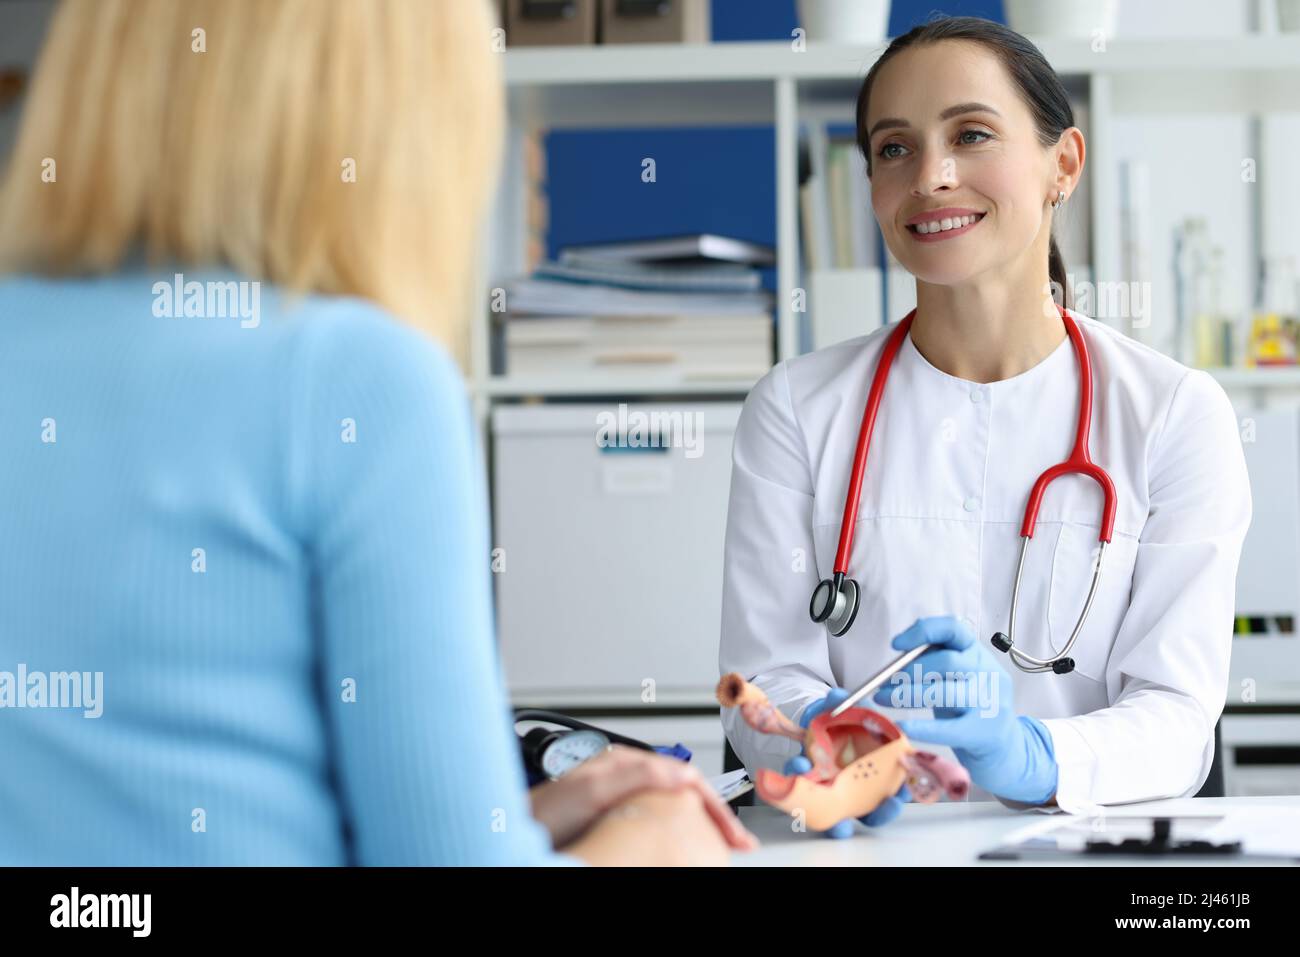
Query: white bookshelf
1255, 72
746, 84
535, 386
1260, 377
740, 84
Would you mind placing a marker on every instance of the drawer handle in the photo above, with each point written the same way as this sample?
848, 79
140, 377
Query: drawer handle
549, 9
644, 8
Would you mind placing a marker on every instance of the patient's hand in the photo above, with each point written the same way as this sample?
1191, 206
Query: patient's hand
569, 806
655, 829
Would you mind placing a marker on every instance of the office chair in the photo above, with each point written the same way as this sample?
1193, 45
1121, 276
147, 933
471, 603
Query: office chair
1214, 786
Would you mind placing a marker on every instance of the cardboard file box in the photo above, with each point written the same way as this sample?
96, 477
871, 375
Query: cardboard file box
655, 21
550, 22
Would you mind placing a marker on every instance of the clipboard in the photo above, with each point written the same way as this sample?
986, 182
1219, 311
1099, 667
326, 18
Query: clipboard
1103, 837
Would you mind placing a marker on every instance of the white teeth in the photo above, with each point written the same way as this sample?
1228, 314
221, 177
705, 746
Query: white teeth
942, 225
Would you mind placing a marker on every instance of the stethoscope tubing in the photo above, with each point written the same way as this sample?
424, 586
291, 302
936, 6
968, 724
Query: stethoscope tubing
1079, 461
865, 431
835, 601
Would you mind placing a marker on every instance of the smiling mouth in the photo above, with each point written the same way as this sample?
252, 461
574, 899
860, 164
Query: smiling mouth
914, 230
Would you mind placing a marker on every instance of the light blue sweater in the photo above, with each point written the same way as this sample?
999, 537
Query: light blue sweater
269, 535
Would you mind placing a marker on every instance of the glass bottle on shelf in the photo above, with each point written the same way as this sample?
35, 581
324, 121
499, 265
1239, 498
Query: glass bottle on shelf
1289, 292
1273, 331
1207, 322
1187, 266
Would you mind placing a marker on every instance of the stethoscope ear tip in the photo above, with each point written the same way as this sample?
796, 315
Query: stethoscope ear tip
1060, 666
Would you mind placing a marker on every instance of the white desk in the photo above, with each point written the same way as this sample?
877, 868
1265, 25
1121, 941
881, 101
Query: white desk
954, 834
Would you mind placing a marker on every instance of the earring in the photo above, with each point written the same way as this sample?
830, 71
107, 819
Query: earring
1060, 198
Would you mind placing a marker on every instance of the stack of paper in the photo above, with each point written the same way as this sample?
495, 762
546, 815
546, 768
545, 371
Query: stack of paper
662, 309
560, 297
675, 347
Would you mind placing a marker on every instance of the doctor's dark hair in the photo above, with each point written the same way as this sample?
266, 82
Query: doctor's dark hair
1039, 86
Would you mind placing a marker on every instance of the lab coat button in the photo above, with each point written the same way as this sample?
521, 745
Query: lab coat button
976, 395
971, 504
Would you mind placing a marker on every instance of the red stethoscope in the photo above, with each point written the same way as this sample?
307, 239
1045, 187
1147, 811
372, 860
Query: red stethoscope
835, 600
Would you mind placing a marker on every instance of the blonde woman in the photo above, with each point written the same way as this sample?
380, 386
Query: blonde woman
243, 504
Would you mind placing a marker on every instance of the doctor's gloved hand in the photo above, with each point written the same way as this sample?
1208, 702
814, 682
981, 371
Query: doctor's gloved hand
1008, 754
889, 808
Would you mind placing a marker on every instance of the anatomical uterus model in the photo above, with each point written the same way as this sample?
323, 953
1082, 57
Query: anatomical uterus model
859, 758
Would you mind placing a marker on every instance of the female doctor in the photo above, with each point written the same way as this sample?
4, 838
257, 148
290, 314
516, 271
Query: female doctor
965, 125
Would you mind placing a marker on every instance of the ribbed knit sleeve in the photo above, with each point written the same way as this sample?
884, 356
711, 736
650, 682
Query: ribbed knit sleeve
387, 486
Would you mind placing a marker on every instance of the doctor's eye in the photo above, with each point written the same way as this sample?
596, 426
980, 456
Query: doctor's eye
882, 154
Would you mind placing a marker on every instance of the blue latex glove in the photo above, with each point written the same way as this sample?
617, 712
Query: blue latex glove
1007, 754
889, 808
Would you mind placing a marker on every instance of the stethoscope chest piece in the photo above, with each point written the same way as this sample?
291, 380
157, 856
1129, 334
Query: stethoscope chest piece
835, 606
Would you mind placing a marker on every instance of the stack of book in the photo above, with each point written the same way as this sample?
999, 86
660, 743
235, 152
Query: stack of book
678, 310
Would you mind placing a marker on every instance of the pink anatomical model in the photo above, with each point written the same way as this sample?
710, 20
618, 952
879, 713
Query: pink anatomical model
859, 758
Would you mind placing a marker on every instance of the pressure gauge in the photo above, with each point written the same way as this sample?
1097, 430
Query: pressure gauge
556, 753
570, 749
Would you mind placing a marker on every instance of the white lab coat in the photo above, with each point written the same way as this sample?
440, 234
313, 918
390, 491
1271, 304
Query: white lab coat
938, 533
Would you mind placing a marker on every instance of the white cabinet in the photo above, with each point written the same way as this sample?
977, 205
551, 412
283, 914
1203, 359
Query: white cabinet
610, 520
1268, 577
1260, 754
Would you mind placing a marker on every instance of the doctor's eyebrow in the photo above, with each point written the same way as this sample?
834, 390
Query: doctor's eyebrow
893, 122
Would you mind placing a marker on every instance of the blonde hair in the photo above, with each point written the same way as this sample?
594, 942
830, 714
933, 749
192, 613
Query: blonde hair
240, 155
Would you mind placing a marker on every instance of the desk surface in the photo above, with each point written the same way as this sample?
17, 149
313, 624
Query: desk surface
954, 834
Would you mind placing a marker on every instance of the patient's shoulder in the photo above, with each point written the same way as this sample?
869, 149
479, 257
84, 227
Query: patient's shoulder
351, 350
